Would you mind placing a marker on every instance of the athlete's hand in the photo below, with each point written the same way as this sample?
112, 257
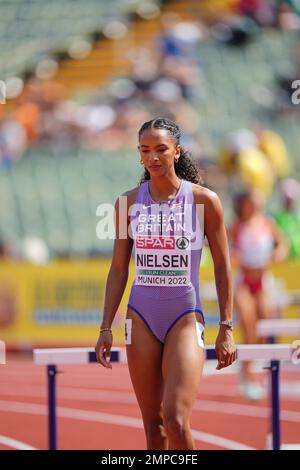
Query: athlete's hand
103, 348
225, 347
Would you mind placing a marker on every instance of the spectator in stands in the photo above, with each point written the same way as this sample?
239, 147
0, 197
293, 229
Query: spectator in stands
13, 141
177, 52
262, 11
289, 15
179, 38
256, 159
241, 158
274, 148
235, 30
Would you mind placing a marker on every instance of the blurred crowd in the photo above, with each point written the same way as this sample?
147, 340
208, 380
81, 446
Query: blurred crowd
108, 119
165, 79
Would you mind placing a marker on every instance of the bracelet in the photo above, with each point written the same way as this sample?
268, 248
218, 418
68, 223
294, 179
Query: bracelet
105, 329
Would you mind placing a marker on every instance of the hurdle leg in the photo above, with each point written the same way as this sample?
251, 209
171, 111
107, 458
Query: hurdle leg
51, 374
275, 405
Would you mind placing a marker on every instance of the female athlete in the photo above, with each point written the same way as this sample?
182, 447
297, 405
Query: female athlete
168, 215
256, 243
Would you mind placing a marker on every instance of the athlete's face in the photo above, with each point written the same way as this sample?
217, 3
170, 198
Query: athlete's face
158, 151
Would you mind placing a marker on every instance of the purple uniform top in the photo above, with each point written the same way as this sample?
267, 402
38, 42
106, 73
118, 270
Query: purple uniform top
167, 245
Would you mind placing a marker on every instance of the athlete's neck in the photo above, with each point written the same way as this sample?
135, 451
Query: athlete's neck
162, 189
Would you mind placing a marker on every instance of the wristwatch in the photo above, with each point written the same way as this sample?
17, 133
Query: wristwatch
228, 323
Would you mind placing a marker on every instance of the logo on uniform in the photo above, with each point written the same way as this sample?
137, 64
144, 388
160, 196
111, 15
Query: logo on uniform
182, 243
155, 243
176, 205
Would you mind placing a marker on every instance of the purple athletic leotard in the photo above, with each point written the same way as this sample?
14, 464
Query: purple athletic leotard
167, 245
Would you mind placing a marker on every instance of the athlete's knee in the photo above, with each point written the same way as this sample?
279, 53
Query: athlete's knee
155, 433
250, 334
176, 425
249, 337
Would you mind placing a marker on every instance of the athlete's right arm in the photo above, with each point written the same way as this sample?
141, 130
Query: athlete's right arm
117, 277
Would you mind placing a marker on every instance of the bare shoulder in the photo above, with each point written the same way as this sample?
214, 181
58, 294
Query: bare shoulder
205, 196
130, 195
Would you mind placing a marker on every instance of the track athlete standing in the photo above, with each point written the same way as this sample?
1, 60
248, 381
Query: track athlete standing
165, 322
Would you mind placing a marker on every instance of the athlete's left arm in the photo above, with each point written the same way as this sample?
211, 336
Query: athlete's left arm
281, 243
215, 232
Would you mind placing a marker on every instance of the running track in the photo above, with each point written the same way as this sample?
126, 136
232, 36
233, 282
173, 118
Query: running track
97, 409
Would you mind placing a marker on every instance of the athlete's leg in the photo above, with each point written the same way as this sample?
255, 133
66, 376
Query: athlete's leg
263, 305
245, 306
182, 365
144, 356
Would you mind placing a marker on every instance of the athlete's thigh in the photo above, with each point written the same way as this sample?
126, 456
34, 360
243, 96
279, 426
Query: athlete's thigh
263, 305
144, 355
183, 360
245, 305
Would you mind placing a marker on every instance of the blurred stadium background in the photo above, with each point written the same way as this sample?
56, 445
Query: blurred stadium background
77, 81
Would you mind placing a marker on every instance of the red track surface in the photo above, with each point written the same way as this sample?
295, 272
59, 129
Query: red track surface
97, 409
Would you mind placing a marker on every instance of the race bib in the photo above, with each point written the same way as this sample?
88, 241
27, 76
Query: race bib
163, 261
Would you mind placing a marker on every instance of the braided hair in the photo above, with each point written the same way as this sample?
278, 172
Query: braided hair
185, 168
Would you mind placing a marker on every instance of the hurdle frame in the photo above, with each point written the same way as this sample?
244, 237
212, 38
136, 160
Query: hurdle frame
264, 352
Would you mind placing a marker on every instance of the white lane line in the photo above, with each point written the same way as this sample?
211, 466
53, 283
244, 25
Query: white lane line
14, 444
70, 393
119, 420
219, 441
138, 423
211, 406
245, 410
290, 447
232, 408
288, 389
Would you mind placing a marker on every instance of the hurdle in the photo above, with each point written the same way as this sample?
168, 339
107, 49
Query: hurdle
275, 327
274, 354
